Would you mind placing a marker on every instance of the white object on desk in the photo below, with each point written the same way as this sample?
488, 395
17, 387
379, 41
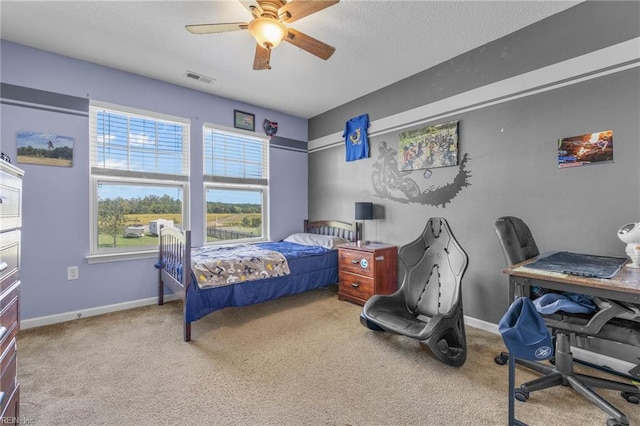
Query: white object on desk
630, 234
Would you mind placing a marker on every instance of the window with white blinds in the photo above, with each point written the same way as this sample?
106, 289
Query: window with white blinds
127, 142
236, 185
139, 179
235, 158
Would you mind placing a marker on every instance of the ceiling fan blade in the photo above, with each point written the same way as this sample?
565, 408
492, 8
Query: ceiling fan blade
261, 60
298, 9
310, 44
216, 28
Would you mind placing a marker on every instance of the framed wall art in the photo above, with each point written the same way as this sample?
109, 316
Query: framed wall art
45, 149
244, 120
582, 150
429, 147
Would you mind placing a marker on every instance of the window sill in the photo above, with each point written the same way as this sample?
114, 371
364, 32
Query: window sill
122, 256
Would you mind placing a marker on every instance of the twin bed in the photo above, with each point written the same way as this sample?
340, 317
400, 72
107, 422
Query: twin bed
211, 278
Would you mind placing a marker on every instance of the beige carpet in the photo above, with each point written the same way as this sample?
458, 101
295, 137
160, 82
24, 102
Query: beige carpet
300, 360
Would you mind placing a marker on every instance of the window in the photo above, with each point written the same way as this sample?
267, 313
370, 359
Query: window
236, 185
139, 177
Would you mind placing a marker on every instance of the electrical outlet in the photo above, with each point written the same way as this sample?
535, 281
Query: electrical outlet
72, 273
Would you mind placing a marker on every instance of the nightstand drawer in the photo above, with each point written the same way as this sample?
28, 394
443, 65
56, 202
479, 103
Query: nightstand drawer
354, 285
365, 270
357, 262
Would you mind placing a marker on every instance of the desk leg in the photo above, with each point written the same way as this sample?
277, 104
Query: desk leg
518, 287
512, 383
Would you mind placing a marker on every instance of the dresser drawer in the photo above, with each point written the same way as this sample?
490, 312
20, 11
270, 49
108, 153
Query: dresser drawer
9, 258
8, 296
354, 285
358, 262
8, 372
11, 406
10, 201
9, 315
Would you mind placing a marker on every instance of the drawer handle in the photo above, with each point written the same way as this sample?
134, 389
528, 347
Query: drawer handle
3, 331
364, 263
3, 265
355, 285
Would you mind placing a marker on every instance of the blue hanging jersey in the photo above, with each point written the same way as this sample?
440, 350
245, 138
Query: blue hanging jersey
355, 134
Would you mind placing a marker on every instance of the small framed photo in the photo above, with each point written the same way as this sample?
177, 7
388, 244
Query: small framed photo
244, 120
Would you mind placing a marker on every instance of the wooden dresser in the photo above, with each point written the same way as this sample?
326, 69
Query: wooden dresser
365, 270
10, 224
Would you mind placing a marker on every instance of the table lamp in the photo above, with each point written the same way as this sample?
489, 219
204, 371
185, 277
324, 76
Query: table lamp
630, 234
364, 211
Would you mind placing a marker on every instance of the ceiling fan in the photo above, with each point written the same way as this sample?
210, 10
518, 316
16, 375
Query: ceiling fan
269, 29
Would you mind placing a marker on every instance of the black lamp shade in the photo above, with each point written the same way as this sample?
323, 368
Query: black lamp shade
364, 211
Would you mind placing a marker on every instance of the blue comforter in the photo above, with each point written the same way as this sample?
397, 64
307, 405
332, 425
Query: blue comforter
310, 267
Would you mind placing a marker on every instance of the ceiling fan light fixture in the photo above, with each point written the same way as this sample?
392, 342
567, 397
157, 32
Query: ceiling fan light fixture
267, 32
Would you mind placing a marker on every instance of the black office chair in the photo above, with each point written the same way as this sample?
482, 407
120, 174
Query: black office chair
428, 305
518, 245
613, 321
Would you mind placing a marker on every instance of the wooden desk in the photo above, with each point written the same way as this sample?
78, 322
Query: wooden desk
624, 286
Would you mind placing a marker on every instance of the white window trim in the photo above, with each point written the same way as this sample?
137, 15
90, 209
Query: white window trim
105, 255
111, 255
210, 183
235, 130
139, 112
265, 212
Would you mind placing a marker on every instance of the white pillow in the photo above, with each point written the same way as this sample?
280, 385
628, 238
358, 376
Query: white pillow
306, 239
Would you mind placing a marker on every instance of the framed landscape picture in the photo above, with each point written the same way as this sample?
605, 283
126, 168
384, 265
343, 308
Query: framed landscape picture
45, 149
244, 120
428, 147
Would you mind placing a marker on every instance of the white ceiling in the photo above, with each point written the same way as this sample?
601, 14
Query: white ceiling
377, 43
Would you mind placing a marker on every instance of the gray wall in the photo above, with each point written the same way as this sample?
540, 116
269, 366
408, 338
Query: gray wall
512, 150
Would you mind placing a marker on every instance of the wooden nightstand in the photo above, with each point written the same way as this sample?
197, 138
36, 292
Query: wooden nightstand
365, 270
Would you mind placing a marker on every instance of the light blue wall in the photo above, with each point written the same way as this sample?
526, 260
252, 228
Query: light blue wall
56, 199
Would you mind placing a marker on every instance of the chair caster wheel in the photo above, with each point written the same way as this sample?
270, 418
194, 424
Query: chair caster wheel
521, 395
501, 359
633, 398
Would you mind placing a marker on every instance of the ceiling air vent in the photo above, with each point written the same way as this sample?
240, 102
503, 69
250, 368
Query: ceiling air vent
198, 77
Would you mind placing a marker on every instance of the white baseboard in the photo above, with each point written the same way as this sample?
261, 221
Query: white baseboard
91, 312
482, 325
